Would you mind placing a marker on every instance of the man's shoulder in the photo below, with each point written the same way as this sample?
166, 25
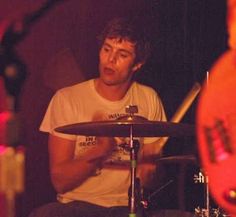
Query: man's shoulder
75, 88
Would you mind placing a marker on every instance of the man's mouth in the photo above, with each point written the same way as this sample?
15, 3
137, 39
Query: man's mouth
108, 70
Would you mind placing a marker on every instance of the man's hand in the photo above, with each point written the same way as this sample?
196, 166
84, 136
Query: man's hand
105, 146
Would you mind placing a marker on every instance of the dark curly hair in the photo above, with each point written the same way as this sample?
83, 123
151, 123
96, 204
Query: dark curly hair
131, 30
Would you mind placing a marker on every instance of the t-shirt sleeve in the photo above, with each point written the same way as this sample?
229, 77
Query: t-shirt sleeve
59, 113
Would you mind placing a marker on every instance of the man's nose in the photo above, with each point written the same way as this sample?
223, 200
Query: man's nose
112, 57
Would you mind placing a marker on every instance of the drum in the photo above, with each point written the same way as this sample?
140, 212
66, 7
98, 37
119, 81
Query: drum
170, 213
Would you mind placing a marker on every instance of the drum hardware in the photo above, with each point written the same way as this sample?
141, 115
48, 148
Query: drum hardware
208, 211
134, 185
203, 212
134, 181
213, 212
178, 159
144, 201
160, 189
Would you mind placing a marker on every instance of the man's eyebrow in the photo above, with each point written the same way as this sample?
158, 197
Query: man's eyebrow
121, 50
107, 44
126, 51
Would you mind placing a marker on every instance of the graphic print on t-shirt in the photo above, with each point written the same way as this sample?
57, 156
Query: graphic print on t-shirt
121, 151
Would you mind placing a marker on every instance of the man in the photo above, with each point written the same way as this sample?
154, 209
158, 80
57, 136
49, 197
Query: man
85, 184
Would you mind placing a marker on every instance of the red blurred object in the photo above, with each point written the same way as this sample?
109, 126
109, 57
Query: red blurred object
231, 23
216, 122
2, 194
3, 113
216, 130
3, 100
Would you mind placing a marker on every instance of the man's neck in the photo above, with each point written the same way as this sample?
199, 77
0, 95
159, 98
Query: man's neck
111, 92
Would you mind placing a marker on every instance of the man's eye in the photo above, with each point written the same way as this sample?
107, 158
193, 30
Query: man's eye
123, 55
106, 49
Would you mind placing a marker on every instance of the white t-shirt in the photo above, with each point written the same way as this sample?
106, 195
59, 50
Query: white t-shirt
80, 103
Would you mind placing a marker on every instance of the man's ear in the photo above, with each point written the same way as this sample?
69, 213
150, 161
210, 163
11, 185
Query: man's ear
137, 66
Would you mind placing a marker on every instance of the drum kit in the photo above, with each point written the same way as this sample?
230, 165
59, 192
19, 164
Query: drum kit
136, 126
129, 126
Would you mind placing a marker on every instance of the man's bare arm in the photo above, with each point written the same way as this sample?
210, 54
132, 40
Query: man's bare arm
68, 172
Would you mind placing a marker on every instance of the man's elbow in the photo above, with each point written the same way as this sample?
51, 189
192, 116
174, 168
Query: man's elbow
59, 185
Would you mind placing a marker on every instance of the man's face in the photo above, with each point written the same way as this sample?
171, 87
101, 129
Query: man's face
116, 64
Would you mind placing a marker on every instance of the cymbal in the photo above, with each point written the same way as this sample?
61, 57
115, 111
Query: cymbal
122, 128
178, 159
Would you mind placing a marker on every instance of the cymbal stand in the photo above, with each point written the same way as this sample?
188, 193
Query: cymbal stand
203, 179
207, 196
133, 197
134, 181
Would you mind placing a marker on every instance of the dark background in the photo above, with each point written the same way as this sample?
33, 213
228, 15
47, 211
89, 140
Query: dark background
59, 48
